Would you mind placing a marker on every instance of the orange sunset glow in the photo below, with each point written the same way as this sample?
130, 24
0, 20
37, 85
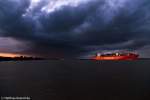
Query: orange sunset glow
9, 55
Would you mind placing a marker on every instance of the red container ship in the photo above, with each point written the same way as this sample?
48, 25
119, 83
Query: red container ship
116, 56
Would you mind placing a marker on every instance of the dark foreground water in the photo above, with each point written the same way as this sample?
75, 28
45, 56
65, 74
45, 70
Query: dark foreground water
76, 80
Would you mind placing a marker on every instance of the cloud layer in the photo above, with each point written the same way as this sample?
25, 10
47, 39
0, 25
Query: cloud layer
69, 28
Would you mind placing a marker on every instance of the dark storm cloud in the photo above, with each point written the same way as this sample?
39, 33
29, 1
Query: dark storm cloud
72, 30
11, 21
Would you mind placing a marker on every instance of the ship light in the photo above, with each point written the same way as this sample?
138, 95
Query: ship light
117, 54
98, 54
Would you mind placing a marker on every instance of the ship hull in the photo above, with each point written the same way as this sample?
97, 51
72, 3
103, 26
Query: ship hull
135, 57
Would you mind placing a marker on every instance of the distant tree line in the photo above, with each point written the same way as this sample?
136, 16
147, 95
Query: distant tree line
20, 58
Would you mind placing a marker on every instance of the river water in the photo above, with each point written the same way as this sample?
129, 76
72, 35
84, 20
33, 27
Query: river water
76, 80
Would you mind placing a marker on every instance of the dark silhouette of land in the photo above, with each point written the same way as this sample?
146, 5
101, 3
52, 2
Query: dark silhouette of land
26, 58
20, 58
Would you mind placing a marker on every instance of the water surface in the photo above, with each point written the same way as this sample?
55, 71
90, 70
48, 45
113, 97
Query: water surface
76, 80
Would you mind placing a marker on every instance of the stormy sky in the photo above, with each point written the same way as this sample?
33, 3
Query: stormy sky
74, 28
